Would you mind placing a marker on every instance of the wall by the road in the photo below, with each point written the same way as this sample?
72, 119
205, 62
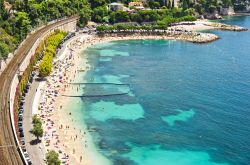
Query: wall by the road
68, 27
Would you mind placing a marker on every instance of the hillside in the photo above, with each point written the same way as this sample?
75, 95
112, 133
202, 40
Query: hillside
19, 17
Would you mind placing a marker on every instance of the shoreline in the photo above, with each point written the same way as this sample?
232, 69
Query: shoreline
61, 132
193, 37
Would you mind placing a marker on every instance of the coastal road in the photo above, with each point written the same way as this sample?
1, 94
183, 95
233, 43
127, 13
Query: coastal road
35, 150
9, 154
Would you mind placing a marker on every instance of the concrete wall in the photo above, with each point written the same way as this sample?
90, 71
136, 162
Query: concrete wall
70, 26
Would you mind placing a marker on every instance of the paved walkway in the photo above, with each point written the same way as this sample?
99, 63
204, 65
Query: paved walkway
35, 150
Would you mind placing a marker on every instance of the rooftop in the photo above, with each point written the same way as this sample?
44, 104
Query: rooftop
116, 4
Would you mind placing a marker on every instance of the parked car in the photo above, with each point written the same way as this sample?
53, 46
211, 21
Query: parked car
20, 118
20, 111
27, 87
20, 124
25, 90
26, 154
31, 79
22, 102
21, 134
23, 94
22, 140
29, 162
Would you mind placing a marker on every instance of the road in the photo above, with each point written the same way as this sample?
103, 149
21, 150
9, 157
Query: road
9, 155
35, 150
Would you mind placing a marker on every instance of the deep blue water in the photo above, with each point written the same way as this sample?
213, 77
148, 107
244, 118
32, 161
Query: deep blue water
180, 104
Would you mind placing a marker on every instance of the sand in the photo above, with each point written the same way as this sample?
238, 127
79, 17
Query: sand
62, 135
74, 145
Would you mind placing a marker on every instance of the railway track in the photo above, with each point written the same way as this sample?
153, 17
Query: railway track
9, 154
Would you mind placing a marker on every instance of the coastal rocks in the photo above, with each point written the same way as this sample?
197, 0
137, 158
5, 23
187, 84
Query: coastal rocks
212, 16
227, 27
203, 38
227, 11
195, 37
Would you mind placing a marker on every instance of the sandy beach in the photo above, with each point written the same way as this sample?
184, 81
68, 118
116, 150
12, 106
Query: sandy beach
61, 133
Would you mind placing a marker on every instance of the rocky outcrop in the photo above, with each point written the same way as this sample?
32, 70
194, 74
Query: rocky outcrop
227, 11
227, 27
195, 37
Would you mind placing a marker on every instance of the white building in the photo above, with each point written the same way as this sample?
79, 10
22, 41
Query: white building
115, 6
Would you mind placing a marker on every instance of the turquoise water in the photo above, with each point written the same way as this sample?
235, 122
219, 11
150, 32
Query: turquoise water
170, 102
181, 116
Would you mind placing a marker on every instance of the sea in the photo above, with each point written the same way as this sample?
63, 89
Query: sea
167, 102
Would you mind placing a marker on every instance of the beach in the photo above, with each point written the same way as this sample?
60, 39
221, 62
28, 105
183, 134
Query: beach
61, 132
75, 145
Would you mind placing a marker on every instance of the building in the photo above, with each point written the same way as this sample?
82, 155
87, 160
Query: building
115, 6
136, 5
7, 6
172, 3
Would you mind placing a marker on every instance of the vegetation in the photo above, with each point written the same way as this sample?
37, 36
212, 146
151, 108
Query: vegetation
51, 44
103, 28
37, 126
23, 80
19, 17
159, 19
52, 158
22, 16
36, 120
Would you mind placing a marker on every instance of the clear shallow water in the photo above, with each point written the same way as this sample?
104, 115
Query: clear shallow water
170, 102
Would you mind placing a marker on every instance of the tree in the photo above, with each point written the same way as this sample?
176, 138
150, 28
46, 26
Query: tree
184, 5
84, 18
227, 3
119, 16
23, 22
4, 50
212, 8
153, 5
99, 13
136, 17
45, 67
36, 120
37, 126
52, 158
37, 130
97, 3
